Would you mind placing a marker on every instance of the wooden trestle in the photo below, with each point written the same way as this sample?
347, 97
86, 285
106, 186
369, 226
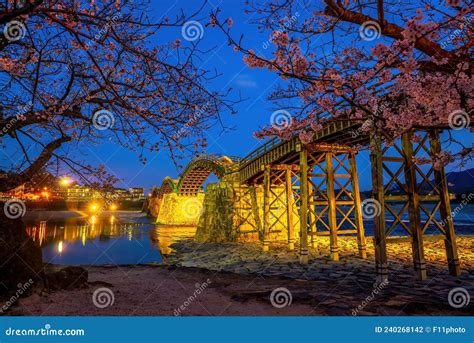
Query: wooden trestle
320, 181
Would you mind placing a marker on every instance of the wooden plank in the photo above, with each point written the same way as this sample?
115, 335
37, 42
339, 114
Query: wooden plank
304, 206
413, 208
332, 207
357, 207
266, 208
376, 154
289, 210
340, 232
445, 211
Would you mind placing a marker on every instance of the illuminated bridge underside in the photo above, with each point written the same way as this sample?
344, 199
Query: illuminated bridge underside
286, 191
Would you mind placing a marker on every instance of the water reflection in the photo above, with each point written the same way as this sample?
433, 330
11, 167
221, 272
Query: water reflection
164, 236
105, 240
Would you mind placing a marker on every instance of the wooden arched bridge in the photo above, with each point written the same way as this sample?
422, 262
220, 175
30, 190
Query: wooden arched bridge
293, 192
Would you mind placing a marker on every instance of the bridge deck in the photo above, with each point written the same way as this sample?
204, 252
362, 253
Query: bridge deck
250, 167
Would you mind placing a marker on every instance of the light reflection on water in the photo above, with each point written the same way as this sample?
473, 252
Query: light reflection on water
106, 240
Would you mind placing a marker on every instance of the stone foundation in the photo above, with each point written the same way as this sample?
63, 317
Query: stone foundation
180, 209
235, 213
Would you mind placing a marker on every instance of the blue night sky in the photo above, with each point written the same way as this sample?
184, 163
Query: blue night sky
254, 86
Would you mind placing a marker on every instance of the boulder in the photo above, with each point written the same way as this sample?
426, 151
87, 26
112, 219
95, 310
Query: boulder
67, 278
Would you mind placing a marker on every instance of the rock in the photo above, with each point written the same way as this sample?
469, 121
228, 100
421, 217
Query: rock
21, 259
67, 278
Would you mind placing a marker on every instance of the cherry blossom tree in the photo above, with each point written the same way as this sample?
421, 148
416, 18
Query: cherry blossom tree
76, 72
392, 65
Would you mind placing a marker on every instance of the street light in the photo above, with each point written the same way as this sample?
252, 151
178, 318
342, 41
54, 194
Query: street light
65, 181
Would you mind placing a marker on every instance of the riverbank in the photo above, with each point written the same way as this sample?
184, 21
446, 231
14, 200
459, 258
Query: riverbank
238, 279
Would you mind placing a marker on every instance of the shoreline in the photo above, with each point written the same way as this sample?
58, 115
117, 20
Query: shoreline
240, 279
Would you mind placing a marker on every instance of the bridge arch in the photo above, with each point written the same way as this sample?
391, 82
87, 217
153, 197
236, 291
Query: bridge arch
167, 186
199, 169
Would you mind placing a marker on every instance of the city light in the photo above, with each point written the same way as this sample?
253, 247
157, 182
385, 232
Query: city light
65, 181
93, 207
113, 207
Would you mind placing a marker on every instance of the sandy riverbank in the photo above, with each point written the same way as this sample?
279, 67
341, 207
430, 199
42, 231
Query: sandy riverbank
239, 280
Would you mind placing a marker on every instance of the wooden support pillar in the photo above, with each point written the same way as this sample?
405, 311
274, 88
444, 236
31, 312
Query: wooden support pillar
357, 206
414, 207
380, 243
312, 221
289, 210
266, 208
255, 210
332, 208
304, 206
445, 210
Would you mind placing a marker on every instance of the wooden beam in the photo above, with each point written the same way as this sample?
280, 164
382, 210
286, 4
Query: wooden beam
289, 210
445, 210
332, 208
311, 209
266, 208
414, 207
381, 268
357, 207
304, 206
292, 167
327, 147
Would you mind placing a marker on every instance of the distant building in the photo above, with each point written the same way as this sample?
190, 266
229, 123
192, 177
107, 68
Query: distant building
137, 193
81, 193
